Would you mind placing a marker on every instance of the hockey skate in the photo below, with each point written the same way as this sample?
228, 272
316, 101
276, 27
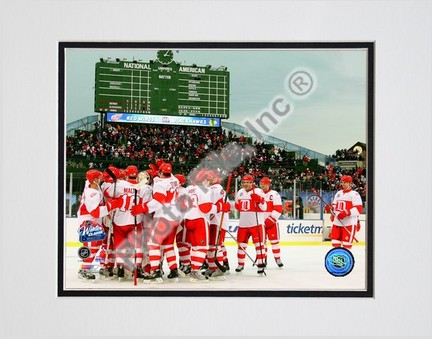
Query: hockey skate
106, 272
184, 270
154, 278
217, 275
140, 272
86, 274
208, 272
204, 266
279, 263
161, 269
261, 271
239, 268
123, 273
227, 268
173, 276
197, 276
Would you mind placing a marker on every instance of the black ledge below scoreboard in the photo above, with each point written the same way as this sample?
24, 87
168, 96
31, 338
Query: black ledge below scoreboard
161, 87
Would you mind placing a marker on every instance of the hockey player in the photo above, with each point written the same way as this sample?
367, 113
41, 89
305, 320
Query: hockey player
108, 244
127, 228
144, 181
197, 222
345, 209
217, 231
250, 202
90, 213
271, 216
183, 245
166, 220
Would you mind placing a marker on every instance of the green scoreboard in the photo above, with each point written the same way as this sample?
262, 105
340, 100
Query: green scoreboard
161, 87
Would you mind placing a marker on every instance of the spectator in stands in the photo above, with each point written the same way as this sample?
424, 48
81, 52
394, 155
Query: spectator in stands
75, 206
299, 207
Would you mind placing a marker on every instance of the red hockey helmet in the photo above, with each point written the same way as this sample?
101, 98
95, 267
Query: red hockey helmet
265, 181
131, 171
181, 178
165, 168
346, 178
106, 177
122, 173
247, 177
153, 167
159, 162
93, 174
115, 171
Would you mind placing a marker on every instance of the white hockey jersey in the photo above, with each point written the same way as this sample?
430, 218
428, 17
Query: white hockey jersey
91, 199
165, 195
347, 200
198, 195
217, 193
123, 216
250, 214
274, 204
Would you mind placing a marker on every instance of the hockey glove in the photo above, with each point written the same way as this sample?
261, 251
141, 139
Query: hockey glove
270, 221
257, 199
358, 227
332, 218
137, 209
343, 215
223, 206
114, 203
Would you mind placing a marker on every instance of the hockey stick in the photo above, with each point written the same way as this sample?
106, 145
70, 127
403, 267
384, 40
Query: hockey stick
135, 272
259, 235
253, 261
332, 213
221, 267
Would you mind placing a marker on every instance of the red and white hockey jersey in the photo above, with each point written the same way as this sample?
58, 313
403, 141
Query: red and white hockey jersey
123, 216
274, 205
200, 203
217, 193
91, 205
250, 214
348, 201
165, 195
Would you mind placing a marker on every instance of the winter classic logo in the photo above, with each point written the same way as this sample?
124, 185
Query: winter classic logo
339, 262
91, 231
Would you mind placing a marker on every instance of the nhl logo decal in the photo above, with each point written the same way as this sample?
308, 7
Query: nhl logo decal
83, 252
339, 262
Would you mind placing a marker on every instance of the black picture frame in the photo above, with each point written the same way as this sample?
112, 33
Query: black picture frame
369, 290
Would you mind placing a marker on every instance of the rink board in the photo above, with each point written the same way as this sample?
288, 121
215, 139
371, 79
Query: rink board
292, 231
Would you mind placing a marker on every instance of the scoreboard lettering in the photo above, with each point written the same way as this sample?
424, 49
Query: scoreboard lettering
161, 87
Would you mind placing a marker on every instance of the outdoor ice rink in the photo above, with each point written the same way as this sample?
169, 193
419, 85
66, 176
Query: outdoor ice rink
303, 270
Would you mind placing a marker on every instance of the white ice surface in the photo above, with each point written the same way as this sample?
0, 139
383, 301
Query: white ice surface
303, 270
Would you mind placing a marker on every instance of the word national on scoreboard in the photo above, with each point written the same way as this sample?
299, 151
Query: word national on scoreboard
161, 87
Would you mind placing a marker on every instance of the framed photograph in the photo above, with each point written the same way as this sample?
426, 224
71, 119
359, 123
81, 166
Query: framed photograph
235, 169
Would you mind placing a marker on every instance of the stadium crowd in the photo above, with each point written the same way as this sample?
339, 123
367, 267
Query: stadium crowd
184, 147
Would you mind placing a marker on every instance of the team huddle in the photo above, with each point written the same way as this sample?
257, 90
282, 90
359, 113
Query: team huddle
152, 216
141, 219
